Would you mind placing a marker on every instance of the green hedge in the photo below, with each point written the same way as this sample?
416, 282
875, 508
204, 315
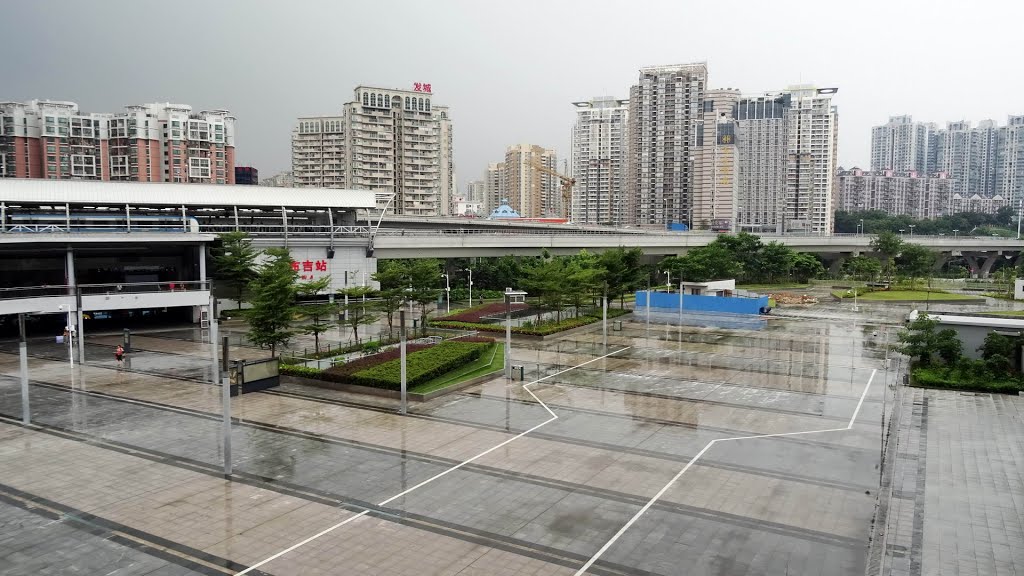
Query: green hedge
421, 366
543, 329
954, 379
303, 371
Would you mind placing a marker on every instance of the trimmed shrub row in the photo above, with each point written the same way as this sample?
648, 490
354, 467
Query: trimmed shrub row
423, 366
953, 379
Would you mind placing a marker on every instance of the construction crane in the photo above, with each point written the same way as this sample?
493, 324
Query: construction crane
567, 184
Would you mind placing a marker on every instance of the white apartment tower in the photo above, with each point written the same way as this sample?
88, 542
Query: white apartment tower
598, 161
903, 145
665, 108
394, 142
476, 191
530, 192
494, 186
447, 160
716, 167
318, 152
787, 145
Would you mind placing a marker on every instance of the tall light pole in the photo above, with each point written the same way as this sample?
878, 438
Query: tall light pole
912, 230
668, 281
901, 231
956, 231
862, 226
447, 293
470, 270
1020, 210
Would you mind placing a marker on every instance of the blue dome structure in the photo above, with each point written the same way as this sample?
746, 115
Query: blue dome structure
503, 212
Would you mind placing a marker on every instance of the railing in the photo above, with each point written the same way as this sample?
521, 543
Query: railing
146, 287
35, 292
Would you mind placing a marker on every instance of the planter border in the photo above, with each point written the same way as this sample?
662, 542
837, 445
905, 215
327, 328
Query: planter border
386, 393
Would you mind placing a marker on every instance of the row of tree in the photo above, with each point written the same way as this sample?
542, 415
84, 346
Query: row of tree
965, 223
745, 258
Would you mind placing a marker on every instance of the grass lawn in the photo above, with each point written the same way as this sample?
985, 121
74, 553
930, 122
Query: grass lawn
904, 295
490, 361
1007, 312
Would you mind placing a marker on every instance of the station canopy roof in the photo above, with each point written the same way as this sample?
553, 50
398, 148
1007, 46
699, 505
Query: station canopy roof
39, 191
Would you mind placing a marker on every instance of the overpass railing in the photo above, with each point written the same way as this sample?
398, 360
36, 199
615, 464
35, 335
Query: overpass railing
20, 292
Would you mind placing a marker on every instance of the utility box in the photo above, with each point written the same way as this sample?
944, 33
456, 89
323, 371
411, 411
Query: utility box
518, 367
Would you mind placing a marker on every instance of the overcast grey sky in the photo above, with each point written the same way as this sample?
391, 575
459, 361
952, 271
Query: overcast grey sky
508, 70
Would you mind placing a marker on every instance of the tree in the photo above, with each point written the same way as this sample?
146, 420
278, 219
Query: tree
772, 260
888, 245
320, 314
744, 248
806, 267
915, 261
711, 262
918, 338
357, 312
1000, 350
862, 268
548, 282
273, 301
234, 261
391, 276
423, 277
622, 271
584, 278
948, 346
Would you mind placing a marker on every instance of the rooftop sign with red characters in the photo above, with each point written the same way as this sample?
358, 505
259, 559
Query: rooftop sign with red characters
421, 87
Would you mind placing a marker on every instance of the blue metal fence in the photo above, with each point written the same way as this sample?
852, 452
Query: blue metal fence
729, 305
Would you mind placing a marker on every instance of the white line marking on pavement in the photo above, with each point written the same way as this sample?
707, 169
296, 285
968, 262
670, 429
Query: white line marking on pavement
436, 476
675, 478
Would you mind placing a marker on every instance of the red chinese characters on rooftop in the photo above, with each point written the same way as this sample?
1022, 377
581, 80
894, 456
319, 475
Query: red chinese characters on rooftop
421, 87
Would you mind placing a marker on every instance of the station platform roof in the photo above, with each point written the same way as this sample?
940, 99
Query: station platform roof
41, 191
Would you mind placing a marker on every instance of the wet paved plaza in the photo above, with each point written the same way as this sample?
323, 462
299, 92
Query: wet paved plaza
670, 450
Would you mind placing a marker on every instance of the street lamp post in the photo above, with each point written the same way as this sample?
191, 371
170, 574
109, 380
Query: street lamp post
901, 231
862, 226
668, 281
511, 297
1020, 211
447, 293
955, 232
912, 230
470, 270
854, 290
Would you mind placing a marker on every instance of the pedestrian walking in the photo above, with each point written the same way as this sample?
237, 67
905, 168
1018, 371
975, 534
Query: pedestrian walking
119, 354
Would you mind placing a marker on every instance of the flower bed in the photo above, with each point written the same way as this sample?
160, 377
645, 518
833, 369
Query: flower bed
478, 313
423, 366
341, 371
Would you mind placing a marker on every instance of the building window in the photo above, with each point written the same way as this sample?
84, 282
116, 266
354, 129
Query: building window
406, 102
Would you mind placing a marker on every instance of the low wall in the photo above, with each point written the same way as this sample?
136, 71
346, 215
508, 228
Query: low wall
729, 305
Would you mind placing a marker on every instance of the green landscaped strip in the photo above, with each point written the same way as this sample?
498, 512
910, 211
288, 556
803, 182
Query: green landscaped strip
783, 286
905, 295
490, 362
1007, 312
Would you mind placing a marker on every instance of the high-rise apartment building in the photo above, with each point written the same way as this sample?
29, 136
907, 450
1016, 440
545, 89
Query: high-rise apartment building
395, 142
148, 143
280, 180
897, 193
318, 152
968, 155
903, 145
476, 191
446, 159
494, 186
716, 167
1010, 161
598, 161
529, 191
787, 146
665, 108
